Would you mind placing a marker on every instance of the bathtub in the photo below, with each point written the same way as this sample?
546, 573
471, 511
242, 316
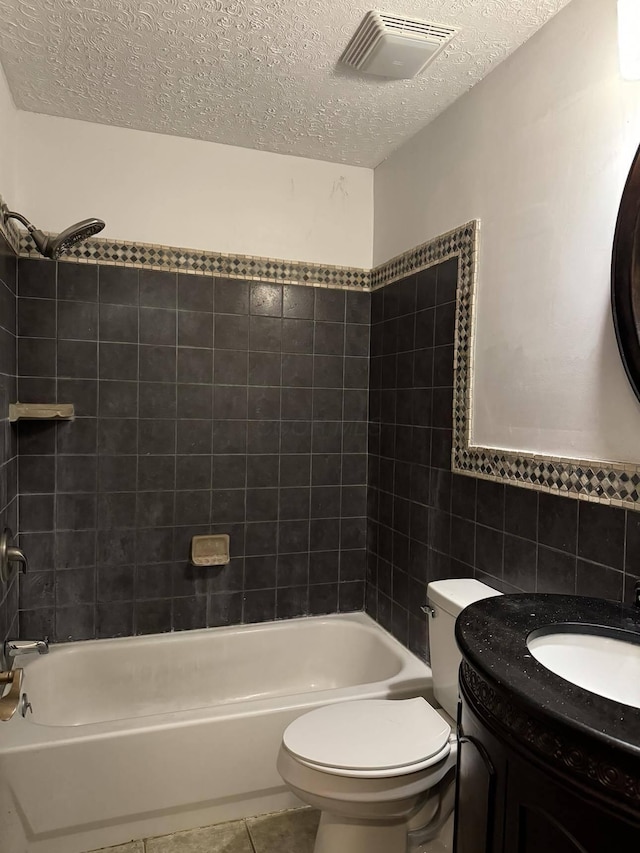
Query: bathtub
143, 736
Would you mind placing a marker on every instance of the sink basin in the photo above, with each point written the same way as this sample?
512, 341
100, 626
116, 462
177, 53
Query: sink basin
599, 660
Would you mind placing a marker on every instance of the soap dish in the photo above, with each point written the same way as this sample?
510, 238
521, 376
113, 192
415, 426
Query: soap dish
210, 550
41, 412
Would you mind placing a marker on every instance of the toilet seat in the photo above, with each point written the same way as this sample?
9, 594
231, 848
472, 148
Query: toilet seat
370, 738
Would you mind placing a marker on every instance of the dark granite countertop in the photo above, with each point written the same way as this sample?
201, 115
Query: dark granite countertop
492, 635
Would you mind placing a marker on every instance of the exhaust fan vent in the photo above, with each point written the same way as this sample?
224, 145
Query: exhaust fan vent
389, 46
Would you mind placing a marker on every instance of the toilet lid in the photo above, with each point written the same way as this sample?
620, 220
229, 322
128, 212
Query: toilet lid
367, 735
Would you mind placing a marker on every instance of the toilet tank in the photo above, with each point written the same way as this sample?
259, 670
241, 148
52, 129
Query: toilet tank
448, 598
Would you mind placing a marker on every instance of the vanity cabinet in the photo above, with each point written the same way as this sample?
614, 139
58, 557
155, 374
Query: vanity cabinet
510, 801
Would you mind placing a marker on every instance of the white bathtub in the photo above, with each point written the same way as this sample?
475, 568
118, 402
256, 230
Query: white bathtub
148, 735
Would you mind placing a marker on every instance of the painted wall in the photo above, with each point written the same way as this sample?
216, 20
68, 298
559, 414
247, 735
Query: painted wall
539, 151
8, 131
185, 192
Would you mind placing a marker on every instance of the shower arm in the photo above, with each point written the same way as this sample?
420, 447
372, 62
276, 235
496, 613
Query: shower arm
13, 214
38, 236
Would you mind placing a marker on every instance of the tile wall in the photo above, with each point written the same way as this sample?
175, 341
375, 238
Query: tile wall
203, 405
426, 523
8, 443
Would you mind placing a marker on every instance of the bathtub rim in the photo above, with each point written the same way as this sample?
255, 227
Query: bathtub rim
24, 734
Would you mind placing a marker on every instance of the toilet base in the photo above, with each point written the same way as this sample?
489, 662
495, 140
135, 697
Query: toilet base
339, 833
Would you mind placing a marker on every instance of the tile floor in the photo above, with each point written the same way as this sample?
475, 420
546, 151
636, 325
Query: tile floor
284, 832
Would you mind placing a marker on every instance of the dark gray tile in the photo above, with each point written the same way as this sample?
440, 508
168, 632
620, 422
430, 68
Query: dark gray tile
229, 437
265, 299
36, 318
118, 285
195, 293
117, 435
263, 403
118, 323
116, 399
195, 401
157, 326
195, 365
224, 608
298, 301
195, 329
599, 581
37, 357
264, 368
75, 512
75, 623
230, 402
157, 363
330, 304
358, 307
156, 436
194, 436
117, 473
324, 567
265, 334
297, 335
194, 472
558, 522
262, 470
329, 338
231, 332
601, 534
77, 321
117, 361
157, 400
229, 472
37, 278
157, 289
78, 281
231, 296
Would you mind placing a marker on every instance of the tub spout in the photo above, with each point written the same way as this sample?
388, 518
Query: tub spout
14, 648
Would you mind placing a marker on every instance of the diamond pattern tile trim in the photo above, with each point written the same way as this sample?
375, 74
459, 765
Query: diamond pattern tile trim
598, 481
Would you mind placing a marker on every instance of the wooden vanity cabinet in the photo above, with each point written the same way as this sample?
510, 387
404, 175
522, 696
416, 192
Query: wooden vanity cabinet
508, 801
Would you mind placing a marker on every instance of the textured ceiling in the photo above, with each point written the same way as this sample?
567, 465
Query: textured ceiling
253, 73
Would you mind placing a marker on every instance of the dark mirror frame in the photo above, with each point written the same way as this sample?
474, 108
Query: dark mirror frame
625, 276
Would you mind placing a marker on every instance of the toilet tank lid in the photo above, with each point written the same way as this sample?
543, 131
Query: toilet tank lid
455, 594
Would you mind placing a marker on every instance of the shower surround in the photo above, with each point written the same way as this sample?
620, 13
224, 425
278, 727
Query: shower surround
8, 443
203, 404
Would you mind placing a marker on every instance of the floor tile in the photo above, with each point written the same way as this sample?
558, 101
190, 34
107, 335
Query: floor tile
286, 832
223, 838
132, 847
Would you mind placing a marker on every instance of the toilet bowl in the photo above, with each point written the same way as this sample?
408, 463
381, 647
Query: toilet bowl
380, 769
373, 767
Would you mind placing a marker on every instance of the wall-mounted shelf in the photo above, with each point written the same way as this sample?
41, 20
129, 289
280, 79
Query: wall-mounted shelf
41, 412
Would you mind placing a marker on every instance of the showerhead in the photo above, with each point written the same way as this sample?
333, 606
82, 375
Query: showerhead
53, 247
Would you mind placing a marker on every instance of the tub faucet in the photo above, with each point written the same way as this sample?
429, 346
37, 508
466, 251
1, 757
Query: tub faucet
14, 648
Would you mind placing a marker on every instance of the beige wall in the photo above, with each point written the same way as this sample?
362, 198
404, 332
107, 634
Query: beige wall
184, 192
539, 151
8, 134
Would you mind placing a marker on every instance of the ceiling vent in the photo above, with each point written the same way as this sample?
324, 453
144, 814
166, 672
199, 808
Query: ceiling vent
391, 46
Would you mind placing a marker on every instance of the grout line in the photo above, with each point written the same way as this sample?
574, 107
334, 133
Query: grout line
250, 837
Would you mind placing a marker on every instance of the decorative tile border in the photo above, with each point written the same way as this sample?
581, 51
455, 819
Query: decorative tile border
168, 259
460, 242
605, 482
611, 483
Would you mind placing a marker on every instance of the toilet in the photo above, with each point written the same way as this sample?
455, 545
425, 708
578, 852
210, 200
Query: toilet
379, 769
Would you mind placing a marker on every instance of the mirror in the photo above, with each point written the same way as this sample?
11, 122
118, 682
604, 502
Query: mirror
625, 276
